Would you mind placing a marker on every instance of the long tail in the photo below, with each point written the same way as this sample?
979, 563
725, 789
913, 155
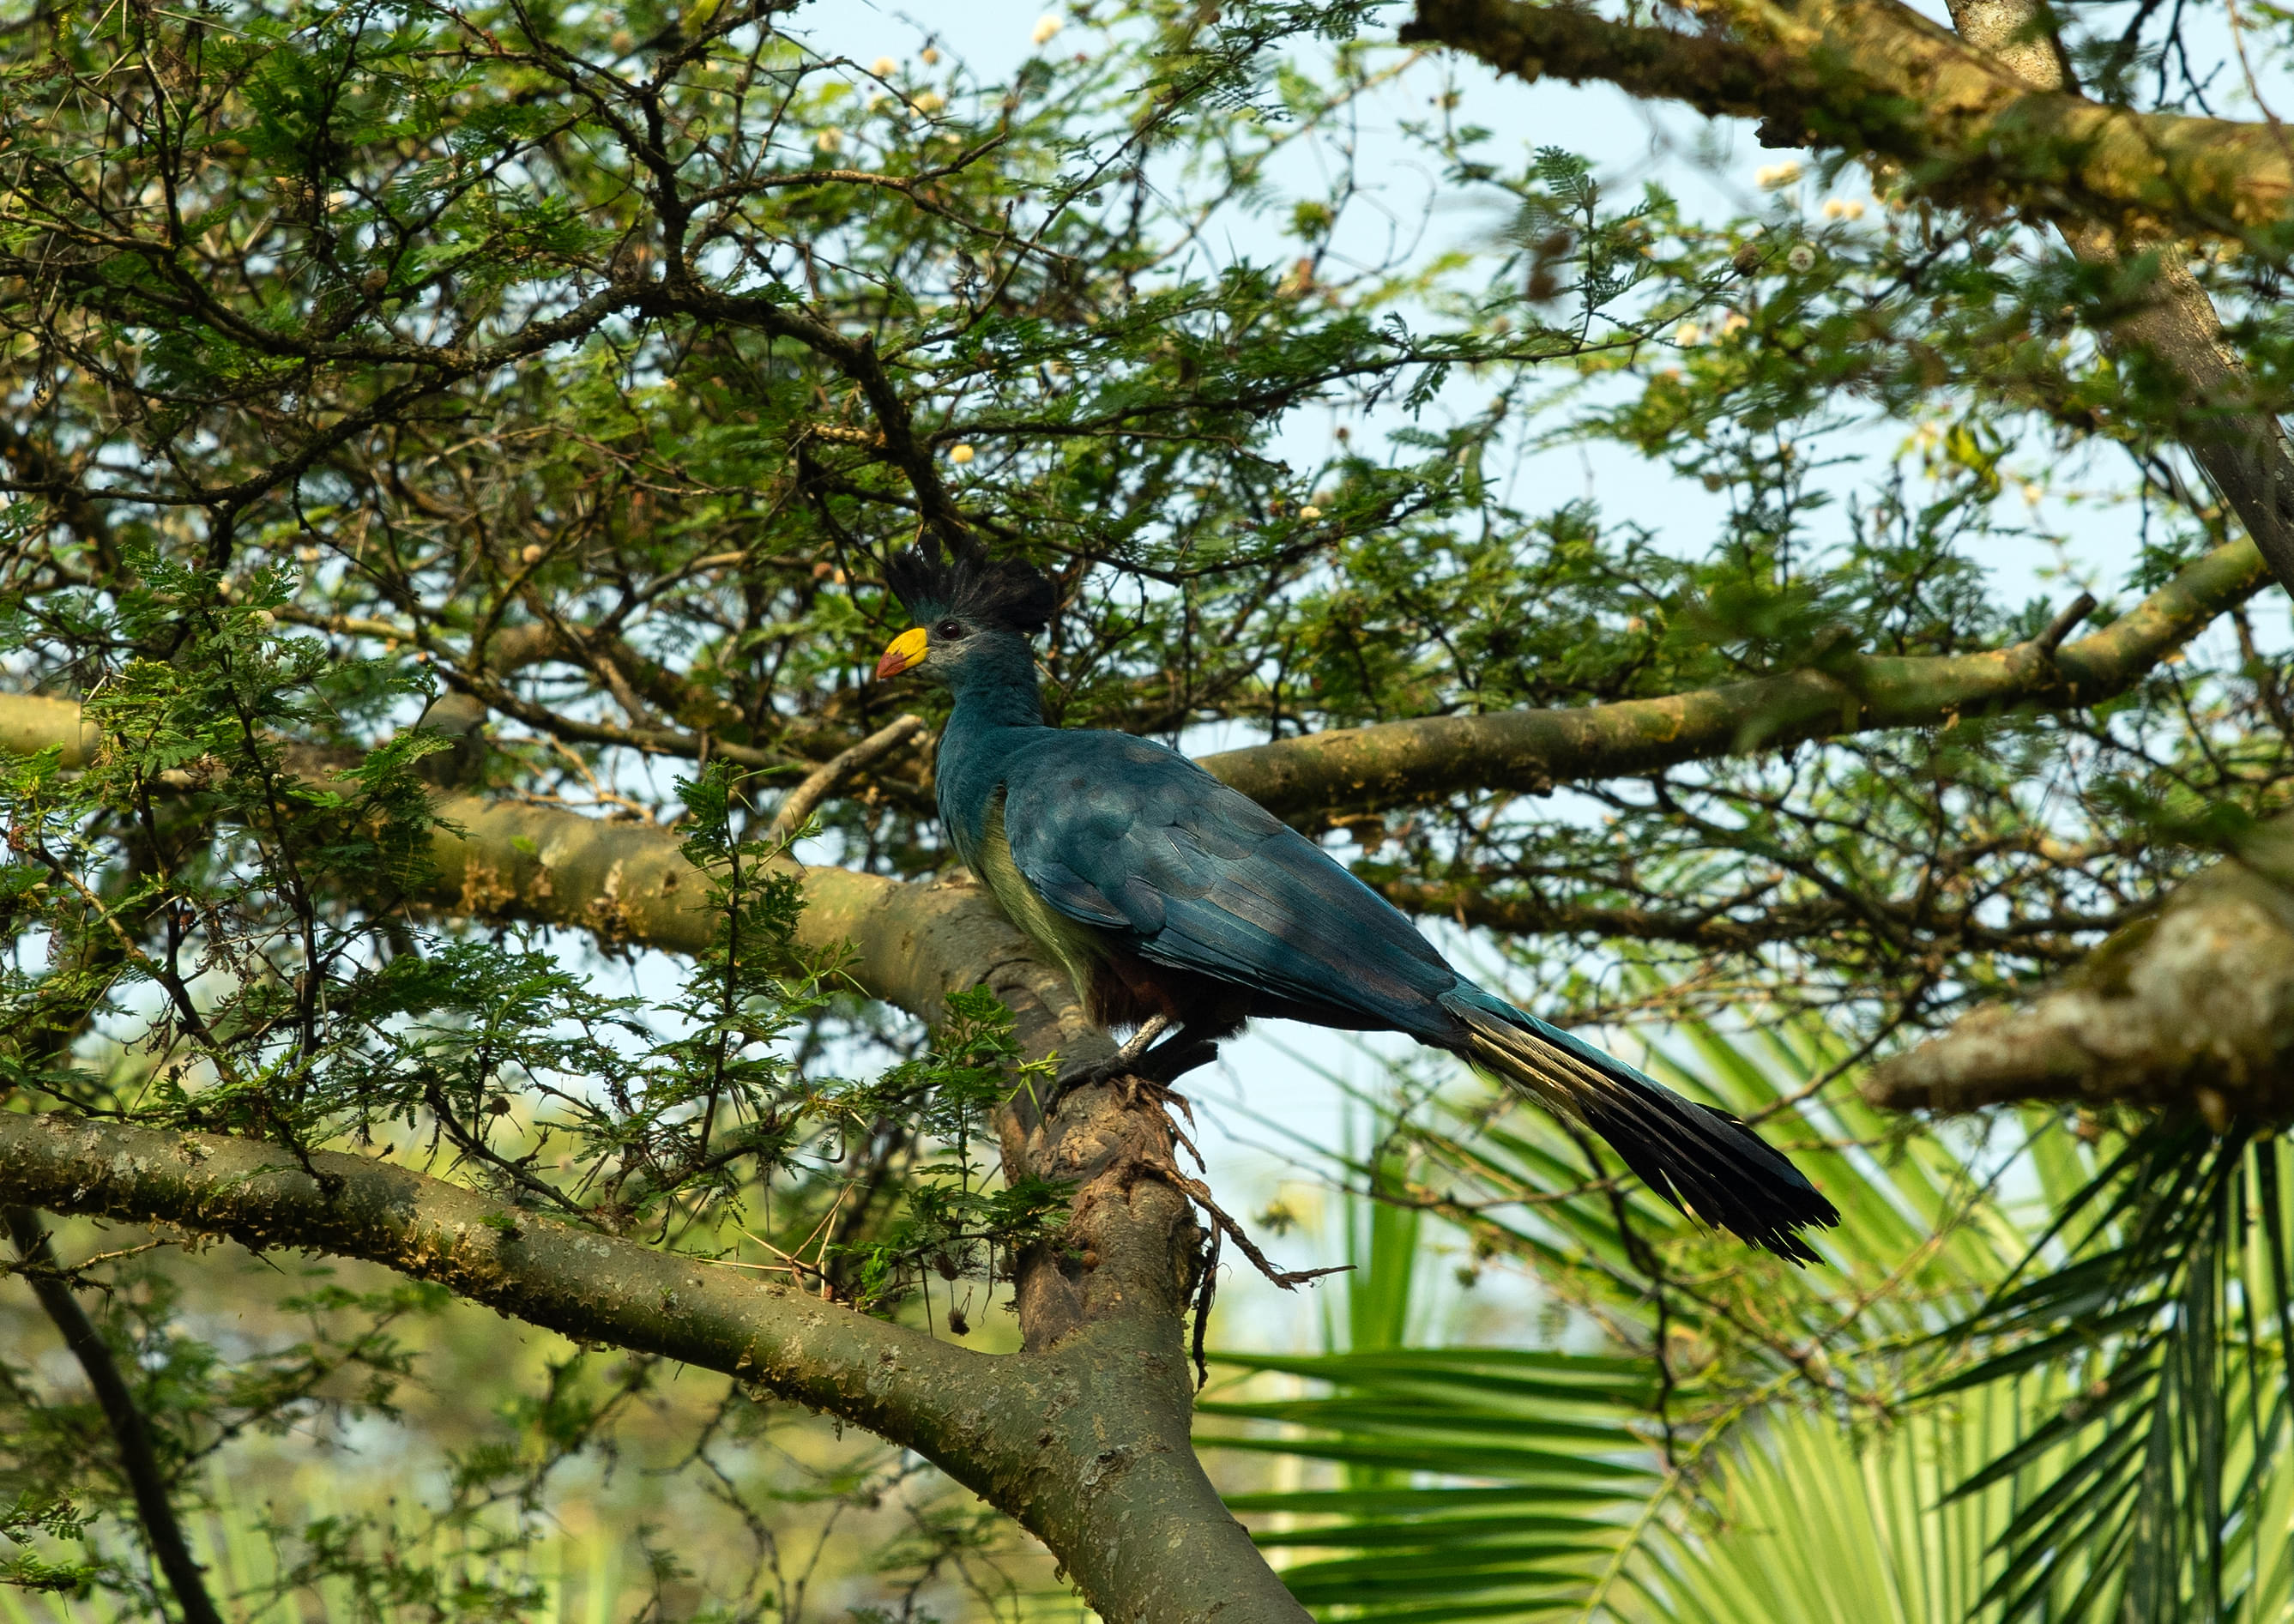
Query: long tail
1702, 1160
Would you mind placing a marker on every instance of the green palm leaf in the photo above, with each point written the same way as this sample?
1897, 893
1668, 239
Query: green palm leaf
1804, 1524
2164, 1320
2042, 1379
1501, 1480
1467, 1484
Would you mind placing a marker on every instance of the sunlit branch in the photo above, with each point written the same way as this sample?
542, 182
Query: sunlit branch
1875, 77
1397, 763
2192, 1006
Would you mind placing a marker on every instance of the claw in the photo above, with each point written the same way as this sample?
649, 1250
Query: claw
1082, 1077
1123, 1063
1156, 1069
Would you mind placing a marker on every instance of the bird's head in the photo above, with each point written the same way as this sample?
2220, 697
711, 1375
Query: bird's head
969, 612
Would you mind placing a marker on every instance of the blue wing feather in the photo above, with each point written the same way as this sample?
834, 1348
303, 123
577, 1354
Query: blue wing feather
1138, 840
1122, 833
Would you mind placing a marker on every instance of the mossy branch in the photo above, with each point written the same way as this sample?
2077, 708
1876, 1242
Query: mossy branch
1875, 77
2191, 1007
1394, 763
1085, 1442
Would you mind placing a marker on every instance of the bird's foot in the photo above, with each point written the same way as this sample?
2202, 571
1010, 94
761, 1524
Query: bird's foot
1152, 1072
1122, 1062
1082, 1077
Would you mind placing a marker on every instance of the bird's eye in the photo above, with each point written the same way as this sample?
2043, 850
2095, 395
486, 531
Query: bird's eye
949, 629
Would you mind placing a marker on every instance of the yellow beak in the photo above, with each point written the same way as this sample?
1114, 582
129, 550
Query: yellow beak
906, 650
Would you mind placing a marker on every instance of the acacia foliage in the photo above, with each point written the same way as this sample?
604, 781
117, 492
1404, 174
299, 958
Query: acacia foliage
584, 363
538, 346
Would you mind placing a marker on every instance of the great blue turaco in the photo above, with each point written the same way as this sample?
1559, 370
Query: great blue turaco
1181, 908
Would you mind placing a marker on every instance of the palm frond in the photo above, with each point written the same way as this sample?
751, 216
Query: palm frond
1505, 1478
2043, 1377
1803, 1523
2163, 1316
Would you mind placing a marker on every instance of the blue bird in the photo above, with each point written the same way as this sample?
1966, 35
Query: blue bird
1181, 908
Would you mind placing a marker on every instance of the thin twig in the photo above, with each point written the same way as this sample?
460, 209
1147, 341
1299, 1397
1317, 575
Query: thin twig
1206, 1291
2065, 623
129, 1432
801, 802
1199, 1193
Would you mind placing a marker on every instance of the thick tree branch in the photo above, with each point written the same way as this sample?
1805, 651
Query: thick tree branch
1084, 1438
2238, 442
2191, 1006
570, 1281
1085, 1443
30, 723
1874, 76
131, 1435
1327, 775
1396, 763
1110, 1293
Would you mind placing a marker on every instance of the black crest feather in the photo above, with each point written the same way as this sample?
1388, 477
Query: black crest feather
971, 586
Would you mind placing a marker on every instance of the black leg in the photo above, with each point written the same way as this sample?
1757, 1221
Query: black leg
1174, 1057
1164, 1064
1123, 1062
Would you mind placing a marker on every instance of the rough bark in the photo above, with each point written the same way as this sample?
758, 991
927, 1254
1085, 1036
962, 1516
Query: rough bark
2192, 1006
2240, 445
1085, 1443
1874, 77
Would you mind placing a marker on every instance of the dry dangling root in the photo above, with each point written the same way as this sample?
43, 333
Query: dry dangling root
1138, 1091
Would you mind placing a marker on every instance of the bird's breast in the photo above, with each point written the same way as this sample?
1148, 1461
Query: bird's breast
1076, 947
